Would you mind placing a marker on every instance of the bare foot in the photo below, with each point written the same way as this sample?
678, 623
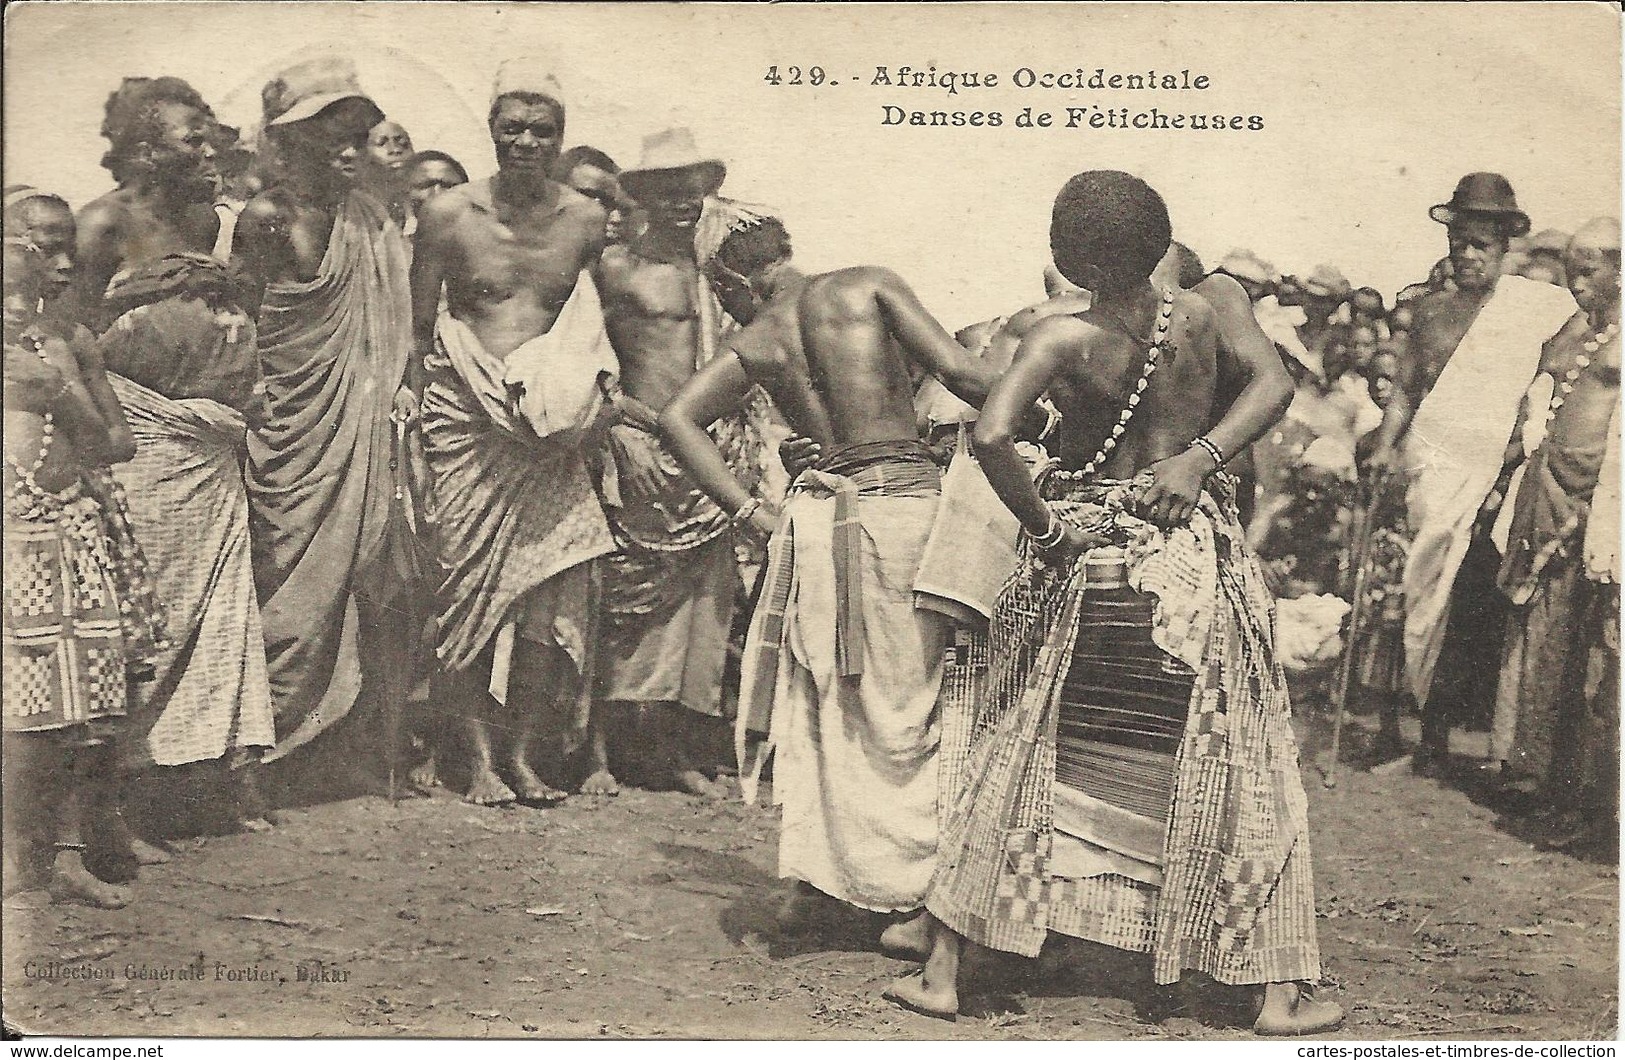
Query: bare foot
935, 1000
1291, 1009
533, 790
148, 853
72, 882
601, 782
695, 783
487, 789
910, 939
424, 777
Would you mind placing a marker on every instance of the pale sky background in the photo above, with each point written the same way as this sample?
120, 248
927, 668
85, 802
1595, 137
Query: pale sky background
1371, 112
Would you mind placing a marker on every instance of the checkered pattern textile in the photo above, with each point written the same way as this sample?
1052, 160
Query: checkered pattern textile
64, 642
1237, 900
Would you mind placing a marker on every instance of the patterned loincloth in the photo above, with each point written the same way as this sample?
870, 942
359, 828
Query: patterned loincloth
670, 585
1236, 895
64, 638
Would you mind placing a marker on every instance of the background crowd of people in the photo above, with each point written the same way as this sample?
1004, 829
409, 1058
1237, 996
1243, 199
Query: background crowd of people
254, 512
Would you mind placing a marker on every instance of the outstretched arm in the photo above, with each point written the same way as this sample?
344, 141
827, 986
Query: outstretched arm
714, 391
928, 344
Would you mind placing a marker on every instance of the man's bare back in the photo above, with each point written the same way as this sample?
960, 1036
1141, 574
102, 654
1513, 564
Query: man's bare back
849, 382
508, 266
838, 352
652, 321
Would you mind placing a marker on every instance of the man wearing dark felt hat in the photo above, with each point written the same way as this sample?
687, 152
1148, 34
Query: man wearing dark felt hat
1472, 352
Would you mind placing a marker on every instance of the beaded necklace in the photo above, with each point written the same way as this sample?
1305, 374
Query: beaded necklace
31, 499
1583, 361
1158, 341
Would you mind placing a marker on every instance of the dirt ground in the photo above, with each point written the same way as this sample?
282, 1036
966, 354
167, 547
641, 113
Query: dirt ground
650, 915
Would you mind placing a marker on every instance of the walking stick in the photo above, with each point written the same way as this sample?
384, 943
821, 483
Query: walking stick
1360, 548
399, 462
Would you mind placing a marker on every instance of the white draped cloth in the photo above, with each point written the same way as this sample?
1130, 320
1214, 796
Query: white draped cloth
1455, 447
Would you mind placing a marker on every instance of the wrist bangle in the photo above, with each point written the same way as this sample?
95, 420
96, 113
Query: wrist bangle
1207, 446
1053, 534
746, 510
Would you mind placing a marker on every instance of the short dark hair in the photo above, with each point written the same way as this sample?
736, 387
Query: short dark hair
1108, 230
526, 97
130, 118
432, 155
582, 155
749, 249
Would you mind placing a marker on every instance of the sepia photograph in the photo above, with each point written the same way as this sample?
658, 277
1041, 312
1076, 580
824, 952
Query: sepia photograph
812, 521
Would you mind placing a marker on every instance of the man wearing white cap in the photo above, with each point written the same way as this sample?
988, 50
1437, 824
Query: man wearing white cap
670, 587
511, 376
334, 334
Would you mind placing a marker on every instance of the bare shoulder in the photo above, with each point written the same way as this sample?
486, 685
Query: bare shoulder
1430, 306
102, 217
760, 348
578, 206
1058, 333
855, 289
444, 209
1223, 293
1195, 308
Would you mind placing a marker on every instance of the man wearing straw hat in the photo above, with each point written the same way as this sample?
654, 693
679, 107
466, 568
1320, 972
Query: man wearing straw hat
334, 335
1472, 352
670, 587
511, 375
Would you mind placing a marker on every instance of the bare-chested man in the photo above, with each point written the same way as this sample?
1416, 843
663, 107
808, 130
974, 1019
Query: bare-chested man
162, 143
843, 678
1105, 827
182, 356
509, 375
334, 336
1473, 349
669, 590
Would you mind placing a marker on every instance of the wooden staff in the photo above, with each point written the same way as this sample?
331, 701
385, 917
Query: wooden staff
1360, 550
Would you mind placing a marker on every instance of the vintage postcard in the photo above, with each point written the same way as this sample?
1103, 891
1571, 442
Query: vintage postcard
916, 521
